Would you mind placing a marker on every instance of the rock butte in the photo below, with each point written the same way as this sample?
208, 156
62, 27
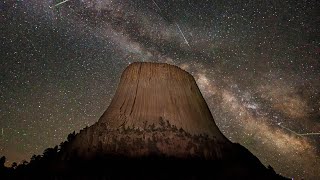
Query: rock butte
157, 109
149, 93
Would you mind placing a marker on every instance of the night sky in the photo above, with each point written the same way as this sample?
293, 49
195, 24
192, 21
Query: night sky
256, 62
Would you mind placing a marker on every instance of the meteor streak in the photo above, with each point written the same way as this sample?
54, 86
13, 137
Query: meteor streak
182, 35
61, 3
156, 5
299, 134
185, 39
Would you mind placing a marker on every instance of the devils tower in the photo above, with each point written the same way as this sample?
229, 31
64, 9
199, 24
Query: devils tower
149, 92
157, 109
157, 126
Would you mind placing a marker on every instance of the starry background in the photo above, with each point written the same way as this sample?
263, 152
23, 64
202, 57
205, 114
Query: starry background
256, 62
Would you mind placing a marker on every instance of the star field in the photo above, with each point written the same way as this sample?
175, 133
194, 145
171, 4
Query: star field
256, 63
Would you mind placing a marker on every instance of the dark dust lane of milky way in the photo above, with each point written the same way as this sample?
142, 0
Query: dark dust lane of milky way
256, 63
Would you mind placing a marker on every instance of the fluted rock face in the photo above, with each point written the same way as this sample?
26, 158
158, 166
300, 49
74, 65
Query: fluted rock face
157, 109
150, 93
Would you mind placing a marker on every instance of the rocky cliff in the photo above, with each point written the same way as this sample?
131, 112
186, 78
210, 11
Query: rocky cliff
157, 109
149, 93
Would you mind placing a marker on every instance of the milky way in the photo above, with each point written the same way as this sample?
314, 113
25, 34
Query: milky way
256, 63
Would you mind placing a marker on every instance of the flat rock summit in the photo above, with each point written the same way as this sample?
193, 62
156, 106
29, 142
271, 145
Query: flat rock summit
157, 126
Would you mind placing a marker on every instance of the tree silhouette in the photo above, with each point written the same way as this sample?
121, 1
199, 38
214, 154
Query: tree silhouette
2, 161
4, 171
35, 158
71, 136
50, 153
14, 165
24, 162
